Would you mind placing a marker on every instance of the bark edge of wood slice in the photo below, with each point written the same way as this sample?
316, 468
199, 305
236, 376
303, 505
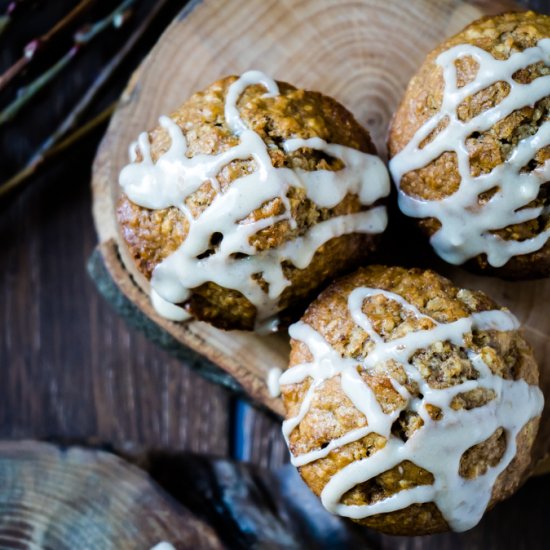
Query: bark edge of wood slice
358, 59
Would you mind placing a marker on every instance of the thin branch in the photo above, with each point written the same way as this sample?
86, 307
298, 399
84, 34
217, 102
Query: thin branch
107, 72
72, 138
82, 37
36, 85
49, 148
40, 43
7, 18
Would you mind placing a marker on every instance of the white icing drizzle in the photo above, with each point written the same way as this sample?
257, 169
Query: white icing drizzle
174, 177
167, 309
465, 225
273, 377
163, 546
438, 445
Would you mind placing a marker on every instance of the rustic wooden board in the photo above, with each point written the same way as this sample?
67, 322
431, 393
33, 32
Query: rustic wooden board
363, 54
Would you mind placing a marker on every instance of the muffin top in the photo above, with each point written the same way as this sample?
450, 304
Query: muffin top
470, 145
412, 404
232, 196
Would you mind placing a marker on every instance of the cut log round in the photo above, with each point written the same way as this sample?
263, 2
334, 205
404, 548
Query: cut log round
70, 498
363, 54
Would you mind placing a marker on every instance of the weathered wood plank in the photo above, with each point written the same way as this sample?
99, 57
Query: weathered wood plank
69, 366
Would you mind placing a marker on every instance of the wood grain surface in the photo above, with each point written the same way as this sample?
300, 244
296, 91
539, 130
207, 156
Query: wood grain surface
70, 368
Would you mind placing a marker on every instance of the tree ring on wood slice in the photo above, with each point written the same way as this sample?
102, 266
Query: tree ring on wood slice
67, 498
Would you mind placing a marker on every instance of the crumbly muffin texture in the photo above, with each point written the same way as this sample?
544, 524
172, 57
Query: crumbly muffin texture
152, 235
443, 365
501, 36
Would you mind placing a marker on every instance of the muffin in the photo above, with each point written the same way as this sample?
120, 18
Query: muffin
411, 404
470, 145
247, 199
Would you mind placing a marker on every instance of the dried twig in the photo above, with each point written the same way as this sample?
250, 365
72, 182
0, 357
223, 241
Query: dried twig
81, 38
107, 72
11, 9
40, 43
53, 144
6, 18
52, 151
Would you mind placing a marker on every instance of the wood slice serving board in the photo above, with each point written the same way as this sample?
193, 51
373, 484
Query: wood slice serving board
363, 54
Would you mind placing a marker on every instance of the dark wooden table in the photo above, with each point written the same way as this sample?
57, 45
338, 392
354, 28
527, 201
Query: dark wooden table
71, 370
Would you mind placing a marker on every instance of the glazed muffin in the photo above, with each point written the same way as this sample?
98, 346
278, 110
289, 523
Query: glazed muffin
470, 146
411, 404
247, 199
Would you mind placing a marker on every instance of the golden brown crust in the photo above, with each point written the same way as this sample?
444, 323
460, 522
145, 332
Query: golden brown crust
501, 36
331, 414
153, 235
